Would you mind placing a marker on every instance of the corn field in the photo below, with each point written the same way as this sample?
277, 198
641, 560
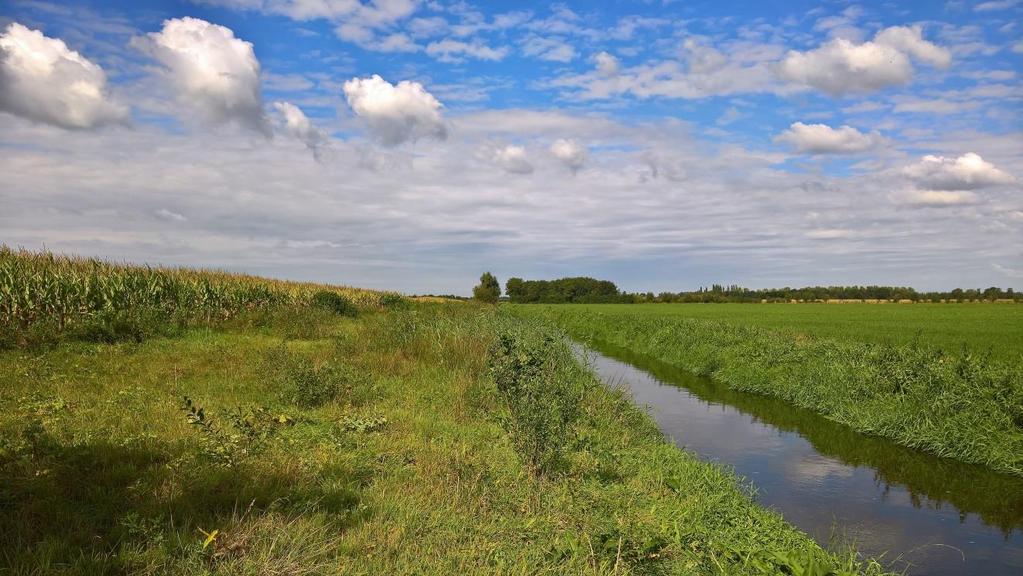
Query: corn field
42, 286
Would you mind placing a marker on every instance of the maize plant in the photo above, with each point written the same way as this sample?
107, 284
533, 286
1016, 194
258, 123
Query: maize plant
42, 286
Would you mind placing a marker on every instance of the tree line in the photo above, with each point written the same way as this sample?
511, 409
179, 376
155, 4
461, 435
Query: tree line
591, 290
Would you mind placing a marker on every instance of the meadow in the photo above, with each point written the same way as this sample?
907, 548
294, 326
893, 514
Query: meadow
358, 433
983, 328
945, 379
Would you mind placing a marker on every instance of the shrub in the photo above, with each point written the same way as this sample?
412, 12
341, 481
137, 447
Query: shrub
334, 302
393, 301
542, 387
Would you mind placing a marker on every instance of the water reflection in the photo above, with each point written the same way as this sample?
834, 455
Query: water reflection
928, 514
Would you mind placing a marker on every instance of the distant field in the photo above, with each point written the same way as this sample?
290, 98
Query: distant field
997, 328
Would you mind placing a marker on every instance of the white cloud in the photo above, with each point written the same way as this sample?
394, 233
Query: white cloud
449, 50
43, 80
940, 197
823, 139
841, 66
830, 234
967, 172
358, 22
909, 40
606, 64
397, 42
701, 71
931, 106
213, 72
995, 5
1007, 271
550, 49
298, 125
510, 158
570, 153
398, 113
165, 214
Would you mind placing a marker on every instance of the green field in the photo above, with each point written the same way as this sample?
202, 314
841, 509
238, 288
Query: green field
982, 327
946, 379
276, 429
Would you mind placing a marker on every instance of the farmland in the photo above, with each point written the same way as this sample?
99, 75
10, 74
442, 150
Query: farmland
982, 328
277, 430
945, 379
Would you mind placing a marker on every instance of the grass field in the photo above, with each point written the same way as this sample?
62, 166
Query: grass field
917, 385
396, 439
982, 327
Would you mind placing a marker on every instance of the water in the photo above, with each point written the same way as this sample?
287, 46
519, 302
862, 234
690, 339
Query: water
918, 513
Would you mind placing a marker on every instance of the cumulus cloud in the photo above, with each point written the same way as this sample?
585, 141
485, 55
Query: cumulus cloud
510, 158
842, 66
395, 114
823, 139
606, 64
43, 80
449, 50
967, 172
213, 72
571, 153
298, 125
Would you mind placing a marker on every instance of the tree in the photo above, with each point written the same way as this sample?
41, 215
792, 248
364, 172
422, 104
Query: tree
488, 290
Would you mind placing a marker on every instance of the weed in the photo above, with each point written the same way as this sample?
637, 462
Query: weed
541, 391
362, 424
246, 433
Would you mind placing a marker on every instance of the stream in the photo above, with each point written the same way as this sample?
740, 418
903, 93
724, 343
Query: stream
914, 512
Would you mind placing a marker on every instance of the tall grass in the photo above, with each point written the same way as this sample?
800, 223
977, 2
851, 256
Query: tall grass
53, 293
959, 405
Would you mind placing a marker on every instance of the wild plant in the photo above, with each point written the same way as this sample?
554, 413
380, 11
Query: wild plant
301, 382
542, 388
246, 433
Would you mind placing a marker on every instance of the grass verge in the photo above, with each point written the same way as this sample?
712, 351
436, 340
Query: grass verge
423, 439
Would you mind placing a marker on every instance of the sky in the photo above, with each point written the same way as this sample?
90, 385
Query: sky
412, 145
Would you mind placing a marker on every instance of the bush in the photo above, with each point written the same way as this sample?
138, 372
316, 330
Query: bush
393, 301
542, 386
334, 302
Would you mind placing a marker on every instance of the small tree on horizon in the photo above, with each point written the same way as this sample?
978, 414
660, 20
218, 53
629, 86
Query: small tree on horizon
488, 290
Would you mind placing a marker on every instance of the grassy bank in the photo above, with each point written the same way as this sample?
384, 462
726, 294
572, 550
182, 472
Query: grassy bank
955, 403
421, 438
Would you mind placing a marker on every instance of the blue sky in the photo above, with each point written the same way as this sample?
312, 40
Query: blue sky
411, 145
